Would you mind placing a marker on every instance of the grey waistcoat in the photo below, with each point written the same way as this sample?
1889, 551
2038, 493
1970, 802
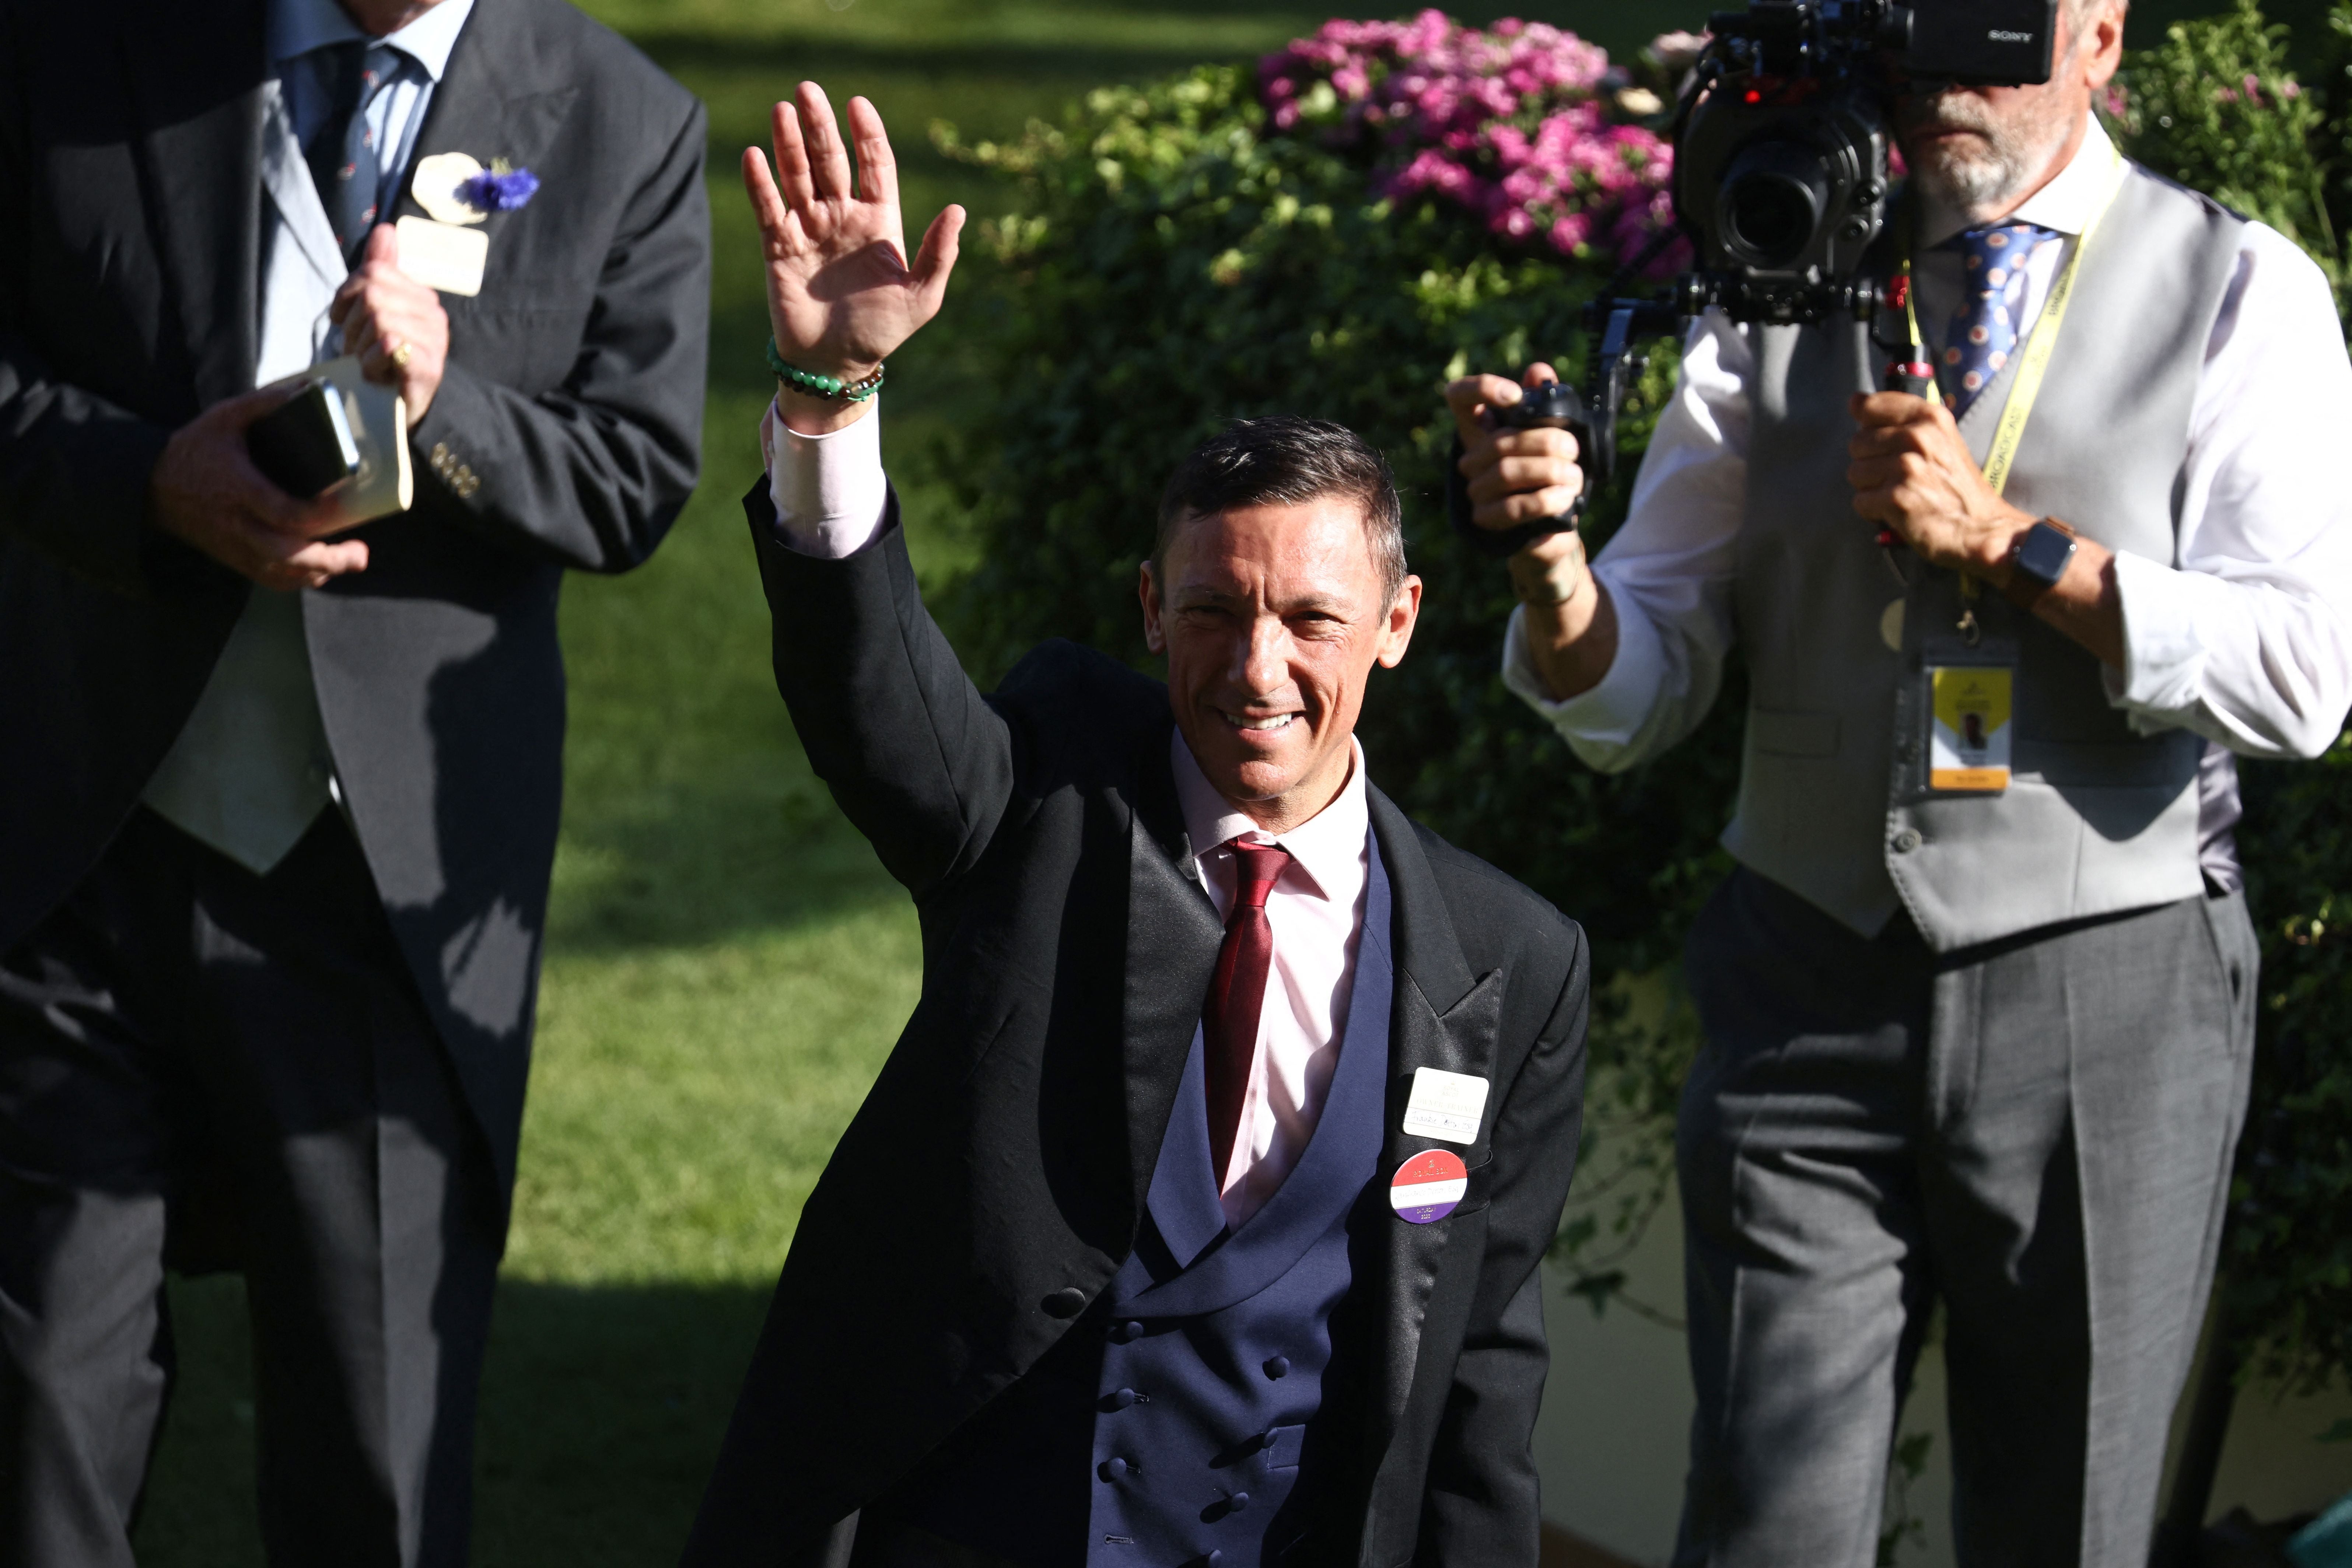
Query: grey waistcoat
1833, 799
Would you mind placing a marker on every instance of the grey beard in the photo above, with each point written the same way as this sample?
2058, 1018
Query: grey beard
1978, 186
1983, 183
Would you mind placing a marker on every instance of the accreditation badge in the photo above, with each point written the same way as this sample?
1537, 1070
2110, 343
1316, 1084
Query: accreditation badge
1971, 707
1429, 1187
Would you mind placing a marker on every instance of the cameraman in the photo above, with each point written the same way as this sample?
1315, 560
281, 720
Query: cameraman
1978, 1013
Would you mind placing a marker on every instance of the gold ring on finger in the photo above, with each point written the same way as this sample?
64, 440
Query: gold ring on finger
401, 356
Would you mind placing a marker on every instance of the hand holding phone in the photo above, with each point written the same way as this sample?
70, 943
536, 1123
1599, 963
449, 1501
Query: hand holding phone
206, 492
305, 445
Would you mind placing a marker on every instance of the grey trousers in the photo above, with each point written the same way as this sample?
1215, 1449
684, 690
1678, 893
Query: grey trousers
186, 1046
2037, 1132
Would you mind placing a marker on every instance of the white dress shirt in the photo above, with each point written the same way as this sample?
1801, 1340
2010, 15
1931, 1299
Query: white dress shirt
829, 493
2245, 637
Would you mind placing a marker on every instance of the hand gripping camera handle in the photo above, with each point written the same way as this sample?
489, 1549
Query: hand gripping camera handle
1914, 376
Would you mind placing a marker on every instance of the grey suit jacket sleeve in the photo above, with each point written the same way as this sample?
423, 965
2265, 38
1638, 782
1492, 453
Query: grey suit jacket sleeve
593, 472
73, 466
1481, 1505
913, 755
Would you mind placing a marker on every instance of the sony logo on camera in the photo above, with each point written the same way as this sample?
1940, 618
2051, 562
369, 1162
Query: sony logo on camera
1988, 42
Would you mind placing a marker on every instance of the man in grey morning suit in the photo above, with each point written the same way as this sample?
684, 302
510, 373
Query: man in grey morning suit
1968, 1043
279, 802
1197, 1214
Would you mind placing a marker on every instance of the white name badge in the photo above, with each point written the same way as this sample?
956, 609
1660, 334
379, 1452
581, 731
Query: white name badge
1447, 1105
442, 256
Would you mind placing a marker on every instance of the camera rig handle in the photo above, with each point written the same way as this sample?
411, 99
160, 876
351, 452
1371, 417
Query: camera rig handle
1620, 325
1623, 325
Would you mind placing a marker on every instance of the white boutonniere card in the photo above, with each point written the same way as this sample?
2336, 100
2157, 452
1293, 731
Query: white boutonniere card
446, 251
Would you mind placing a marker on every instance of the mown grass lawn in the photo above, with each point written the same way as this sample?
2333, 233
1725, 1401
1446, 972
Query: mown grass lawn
726, 963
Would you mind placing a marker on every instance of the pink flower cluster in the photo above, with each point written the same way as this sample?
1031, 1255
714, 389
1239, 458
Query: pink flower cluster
2289, 90
1523, 124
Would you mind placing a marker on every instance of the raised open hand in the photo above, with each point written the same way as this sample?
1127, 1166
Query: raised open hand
841, 295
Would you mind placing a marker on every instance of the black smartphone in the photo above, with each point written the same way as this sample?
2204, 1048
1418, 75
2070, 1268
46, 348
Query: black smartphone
304, 446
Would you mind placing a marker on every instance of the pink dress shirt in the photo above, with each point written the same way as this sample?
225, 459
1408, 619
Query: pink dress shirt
828, 491
1317, 912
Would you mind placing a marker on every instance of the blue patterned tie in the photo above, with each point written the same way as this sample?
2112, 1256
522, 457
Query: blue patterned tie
345, 162
1984, 331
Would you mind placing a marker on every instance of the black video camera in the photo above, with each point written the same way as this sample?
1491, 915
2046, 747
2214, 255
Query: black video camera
1780, 150
1781, 178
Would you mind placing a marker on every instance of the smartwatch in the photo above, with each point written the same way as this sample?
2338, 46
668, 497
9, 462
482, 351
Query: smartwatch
2041, 554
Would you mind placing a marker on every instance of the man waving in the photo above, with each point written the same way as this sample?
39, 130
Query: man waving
1196, 1216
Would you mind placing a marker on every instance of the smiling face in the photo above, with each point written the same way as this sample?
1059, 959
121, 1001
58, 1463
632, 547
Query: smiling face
1272, 617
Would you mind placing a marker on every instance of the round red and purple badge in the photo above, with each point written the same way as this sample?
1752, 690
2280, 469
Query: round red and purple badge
1429, 1187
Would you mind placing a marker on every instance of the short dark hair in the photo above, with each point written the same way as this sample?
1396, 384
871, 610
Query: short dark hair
1286, 460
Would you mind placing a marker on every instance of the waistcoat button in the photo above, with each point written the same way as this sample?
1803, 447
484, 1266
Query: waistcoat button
1908, 841
1215, 1557
1237, 1502
1122, 1398
1113, 1469
1278, 1366
1066, 1302
1126, 1333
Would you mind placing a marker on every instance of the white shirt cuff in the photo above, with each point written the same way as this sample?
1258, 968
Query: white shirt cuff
1615, 710
829, 490
2164, 659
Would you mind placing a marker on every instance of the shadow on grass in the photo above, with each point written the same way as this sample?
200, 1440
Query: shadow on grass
1078, 66
602, 1413
719, 861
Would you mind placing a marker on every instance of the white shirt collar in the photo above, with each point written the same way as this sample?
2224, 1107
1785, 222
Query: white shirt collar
1329, 847
2066, 203
297, 26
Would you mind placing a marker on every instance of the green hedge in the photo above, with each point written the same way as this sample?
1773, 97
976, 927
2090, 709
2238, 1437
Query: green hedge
2216, 106
1168, 261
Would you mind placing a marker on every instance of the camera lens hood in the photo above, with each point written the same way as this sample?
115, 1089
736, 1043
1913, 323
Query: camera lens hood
1773, 200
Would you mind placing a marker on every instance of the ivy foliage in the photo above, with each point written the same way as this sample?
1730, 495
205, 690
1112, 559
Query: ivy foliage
1167, 262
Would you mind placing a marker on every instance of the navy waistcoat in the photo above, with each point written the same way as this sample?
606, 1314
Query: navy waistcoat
1175, 1423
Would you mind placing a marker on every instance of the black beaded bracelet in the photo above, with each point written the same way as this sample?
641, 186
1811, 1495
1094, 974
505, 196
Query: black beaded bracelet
827, 387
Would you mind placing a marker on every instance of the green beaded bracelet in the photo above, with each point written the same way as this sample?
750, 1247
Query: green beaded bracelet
830, 387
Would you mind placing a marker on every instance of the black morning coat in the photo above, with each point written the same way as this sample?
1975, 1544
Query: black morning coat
131, 215
1001, 1159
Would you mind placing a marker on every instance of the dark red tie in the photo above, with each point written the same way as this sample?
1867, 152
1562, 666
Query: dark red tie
1237, 994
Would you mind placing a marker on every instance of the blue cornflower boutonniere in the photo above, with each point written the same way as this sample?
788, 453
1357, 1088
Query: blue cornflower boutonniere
499, 188
455, 188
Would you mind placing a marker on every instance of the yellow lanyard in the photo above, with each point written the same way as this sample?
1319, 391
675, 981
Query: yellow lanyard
2042, 343
2032, 368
